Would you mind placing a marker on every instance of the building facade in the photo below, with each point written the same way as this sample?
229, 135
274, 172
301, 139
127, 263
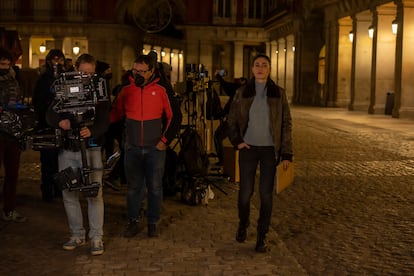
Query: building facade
309, 43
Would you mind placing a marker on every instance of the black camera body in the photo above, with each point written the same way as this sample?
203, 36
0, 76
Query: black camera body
78, 93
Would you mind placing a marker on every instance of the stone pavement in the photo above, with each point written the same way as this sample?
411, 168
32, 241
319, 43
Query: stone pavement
349, 212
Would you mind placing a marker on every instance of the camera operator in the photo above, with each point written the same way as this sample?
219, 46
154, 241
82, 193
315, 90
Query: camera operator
71, 156
43, 96
9, 144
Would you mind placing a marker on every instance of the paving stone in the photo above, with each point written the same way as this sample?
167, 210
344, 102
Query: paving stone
348, 212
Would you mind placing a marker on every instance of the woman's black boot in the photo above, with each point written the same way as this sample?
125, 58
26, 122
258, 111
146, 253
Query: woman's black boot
241, 233
261, 243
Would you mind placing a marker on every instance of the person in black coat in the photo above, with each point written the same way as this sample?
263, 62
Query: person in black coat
43, 96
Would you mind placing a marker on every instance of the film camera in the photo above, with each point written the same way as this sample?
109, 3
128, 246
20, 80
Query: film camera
76, 96
78, 93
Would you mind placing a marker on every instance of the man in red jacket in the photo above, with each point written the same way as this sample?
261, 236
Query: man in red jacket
142, 103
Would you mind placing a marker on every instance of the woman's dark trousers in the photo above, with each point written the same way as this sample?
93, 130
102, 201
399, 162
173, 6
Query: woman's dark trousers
249, 159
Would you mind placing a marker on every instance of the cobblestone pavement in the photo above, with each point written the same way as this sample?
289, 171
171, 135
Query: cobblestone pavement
349, 212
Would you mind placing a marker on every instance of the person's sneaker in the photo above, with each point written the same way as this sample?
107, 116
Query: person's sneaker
153, 231
132, 228
14, 216
97, 247
73, 243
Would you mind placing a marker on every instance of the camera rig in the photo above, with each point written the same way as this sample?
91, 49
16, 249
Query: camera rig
76, 97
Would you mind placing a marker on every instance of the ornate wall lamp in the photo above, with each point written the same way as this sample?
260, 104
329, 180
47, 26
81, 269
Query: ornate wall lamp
371, 31
394, 26
42, 48
351, 36
76, 48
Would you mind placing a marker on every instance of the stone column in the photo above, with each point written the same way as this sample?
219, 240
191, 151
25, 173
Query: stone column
373, 62
174, 65
281, 62
273, 57
353, 64
384, 62
25, 43
331, 60
290, 61
398, 61
238, 59
404, 81
363, 61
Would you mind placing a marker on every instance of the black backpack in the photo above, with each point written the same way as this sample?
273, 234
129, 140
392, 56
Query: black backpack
192, 155
213, 106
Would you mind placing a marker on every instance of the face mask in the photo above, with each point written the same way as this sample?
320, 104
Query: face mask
4, 72
139, 80
108, 76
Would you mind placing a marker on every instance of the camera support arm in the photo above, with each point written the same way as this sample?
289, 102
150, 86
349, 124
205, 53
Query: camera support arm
88, 189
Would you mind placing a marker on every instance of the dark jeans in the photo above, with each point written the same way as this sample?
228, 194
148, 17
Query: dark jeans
49, 167
10, 159
249, 159
144, 168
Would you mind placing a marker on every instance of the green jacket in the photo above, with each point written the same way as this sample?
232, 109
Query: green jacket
281, 120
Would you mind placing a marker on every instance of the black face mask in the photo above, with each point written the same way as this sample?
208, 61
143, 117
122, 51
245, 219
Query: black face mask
139, 80
4, 72
108, 76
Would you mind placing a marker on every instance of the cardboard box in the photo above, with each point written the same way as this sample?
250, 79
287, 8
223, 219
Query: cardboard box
284, 178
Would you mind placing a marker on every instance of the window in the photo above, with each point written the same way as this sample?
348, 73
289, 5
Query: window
8, 8
255, 9
224, 8
75, 8
224, 12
